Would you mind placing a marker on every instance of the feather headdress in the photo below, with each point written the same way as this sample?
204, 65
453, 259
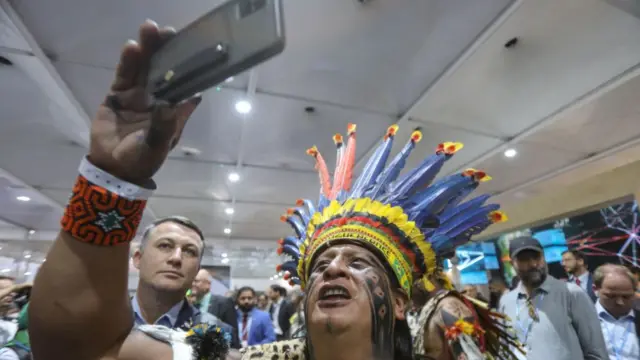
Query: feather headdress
409, 219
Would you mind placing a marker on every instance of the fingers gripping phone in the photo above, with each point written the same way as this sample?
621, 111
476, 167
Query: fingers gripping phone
232, 38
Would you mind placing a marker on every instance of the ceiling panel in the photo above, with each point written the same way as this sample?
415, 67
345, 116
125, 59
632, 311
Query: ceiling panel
610, 120
434, 32
505, 91
532, 161
358, 60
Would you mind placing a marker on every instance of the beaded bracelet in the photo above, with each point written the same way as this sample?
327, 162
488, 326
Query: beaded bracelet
98, 215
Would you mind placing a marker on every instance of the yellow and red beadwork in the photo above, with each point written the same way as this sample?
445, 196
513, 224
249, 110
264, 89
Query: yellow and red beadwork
97, 216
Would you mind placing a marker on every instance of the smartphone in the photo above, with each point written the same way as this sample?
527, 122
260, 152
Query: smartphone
230, 39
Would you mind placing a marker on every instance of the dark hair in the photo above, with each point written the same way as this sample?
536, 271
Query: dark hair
576, 254
282, 291
402, 344
498, 279
243, 289
181, 220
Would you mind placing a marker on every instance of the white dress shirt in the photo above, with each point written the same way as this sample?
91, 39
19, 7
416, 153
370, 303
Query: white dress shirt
619, 334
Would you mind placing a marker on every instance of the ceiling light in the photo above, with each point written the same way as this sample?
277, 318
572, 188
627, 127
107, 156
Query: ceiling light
31, 232
27, 273
229, 79
234, 177
510, 153
225, 260
224, 255
229, 211
28, 256
6, 270
23, 198
243, 107
227, 231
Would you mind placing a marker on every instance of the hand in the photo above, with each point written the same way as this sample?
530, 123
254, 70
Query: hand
131, 136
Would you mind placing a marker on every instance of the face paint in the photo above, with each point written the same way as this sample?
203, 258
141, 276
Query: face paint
382, 308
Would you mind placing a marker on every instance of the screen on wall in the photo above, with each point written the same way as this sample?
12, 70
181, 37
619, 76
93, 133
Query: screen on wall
553, 242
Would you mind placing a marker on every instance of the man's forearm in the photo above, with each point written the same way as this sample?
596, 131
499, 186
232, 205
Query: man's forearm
79, 307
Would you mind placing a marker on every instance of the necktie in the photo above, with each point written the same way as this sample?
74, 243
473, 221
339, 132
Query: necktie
578, 281
245, 331
533, 312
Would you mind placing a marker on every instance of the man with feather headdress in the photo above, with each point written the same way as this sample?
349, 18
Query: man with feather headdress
357, 252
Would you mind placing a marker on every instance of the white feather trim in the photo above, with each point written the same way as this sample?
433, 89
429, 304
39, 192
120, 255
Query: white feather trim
175, 338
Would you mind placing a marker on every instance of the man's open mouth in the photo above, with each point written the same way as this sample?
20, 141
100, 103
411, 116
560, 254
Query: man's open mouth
334, 292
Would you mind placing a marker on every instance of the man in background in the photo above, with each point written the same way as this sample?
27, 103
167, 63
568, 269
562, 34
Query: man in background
8, 324
281, 311
221, 307
254, 325
550, 316
168, 260
619, 321
575, 265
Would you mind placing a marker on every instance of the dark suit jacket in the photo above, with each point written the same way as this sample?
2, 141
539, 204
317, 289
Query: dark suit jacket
636, 312
284, 316
590, 291
224, 309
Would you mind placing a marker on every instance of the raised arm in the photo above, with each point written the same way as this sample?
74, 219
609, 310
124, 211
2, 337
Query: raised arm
79, 306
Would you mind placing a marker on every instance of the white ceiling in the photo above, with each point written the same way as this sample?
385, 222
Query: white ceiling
564, 94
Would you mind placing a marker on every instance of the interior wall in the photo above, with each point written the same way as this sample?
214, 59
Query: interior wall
614, 185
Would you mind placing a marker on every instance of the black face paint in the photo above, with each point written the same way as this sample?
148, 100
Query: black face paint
382, 319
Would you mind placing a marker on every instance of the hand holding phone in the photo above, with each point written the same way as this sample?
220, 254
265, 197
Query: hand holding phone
232, 38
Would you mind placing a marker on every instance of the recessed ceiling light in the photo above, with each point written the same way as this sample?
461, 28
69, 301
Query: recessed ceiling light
510, 153
227, 231
31, 232
229, 211
234, 177
225, 260
229, 79
28, 256
224, 255
23, 198
6, 270
27, 273
243, 107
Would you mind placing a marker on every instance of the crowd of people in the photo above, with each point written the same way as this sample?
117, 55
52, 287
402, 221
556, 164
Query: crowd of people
365, 260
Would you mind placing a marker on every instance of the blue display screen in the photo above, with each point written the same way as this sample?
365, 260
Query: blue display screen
474, 277
554, 243
551, 237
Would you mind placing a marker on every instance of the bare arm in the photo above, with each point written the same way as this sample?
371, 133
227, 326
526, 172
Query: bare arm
79, 306
449, 311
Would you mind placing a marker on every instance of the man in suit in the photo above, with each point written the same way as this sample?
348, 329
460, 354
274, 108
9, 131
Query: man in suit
221, 307
254, 325
619, 321
575, 265
281, 311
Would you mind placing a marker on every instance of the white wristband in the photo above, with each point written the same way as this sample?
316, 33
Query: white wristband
113, 184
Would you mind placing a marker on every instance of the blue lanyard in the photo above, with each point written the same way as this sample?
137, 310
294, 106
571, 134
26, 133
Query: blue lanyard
523, 329
612, 339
